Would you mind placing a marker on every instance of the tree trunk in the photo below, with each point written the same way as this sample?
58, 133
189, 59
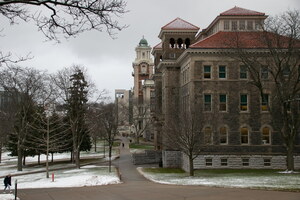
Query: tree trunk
95, 146
19, 157
71, 156
290, 157
1, 144
109, 155
52, 160
104, 148
77, 159
191, 166
137, 139
24, 160
39, 159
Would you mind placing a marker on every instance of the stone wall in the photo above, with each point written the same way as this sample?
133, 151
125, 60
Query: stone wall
148, 157
172, 159
236, 162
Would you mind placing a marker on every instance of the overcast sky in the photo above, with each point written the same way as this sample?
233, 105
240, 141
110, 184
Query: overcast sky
109, 61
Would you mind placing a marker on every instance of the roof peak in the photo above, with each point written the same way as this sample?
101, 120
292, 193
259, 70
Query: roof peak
241, 11
179, 24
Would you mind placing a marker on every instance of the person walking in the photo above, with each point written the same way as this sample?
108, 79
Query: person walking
7, 182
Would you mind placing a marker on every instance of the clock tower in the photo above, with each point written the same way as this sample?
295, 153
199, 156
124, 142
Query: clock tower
142, 69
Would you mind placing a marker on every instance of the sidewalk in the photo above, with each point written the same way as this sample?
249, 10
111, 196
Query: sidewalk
128, 171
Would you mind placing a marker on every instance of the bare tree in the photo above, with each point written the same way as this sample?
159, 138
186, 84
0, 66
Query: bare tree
141, 120
109, 122
183, 132
67, 17
275, 67
7, 118
50, 134
26, 87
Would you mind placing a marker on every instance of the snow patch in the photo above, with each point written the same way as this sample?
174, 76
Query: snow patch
8, 197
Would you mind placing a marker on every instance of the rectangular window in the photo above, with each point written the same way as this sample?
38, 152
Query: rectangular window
234, 25
250, 25
244, 135
264, 72
242, 25
243, 72
245, 161
258, 25
207, 102
172, 55
266, 138
224, 161
222, 71
244, 102
223, 102
226, 25
207, 71
265, 102
223, 135
208, 161
267, 162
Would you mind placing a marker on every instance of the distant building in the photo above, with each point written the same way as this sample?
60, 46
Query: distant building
193, 73
123, 99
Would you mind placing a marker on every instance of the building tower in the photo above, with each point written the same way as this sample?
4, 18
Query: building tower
142, 69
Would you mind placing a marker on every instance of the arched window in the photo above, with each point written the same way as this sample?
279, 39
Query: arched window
187, 42
180, 43
266, 135
208, 135
223, 135
244, 135
172, 43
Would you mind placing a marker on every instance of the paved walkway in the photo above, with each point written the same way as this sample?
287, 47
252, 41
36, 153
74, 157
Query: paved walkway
136, 187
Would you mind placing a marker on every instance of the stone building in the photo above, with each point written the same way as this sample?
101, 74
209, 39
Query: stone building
194, 71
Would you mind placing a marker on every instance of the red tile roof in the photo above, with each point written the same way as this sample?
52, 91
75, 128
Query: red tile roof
240, 11
250, 40
179, 24
158, 46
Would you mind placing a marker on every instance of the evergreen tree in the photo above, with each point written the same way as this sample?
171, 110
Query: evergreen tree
76, 112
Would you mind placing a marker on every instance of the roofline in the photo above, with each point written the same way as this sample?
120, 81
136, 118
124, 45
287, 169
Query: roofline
196, 27
229, 16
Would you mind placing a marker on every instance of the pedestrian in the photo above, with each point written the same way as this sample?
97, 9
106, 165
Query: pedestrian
7, 182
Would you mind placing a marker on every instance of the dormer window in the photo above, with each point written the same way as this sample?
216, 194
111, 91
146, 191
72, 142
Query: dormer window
250, 25
258, 25
242, 25
226, 25
234, 25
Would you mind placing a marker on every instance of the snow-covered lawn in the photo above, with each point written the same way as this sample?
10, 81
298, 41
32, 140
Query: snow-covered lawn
7, 197
89, 175
243, 179
8, 164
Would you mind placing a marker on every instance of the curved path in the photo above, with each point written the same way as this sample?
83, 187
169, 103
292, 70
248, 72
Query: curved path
136, 187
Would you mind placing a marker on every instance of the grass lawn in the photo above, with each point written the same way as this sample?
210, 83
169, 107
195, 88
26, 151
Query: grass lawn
140, 146
240, 178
